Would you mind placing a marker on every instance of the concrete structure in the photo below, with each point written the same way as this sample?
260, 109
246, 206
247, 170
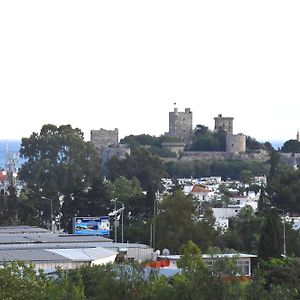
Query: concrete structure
181, 124
176, 148
235, 143
225, 123
101, 138
226, 212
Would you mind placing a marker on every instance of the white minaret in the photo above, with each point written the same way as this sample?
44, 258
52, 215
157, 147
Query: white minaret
298, 136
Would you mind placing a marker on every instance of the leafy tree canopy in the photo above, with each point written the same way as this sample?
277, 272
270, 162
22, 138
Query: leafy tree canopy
141, 164
252, 144
291, 146
206, 140
234, 169
153, 143
284, 189
62, 167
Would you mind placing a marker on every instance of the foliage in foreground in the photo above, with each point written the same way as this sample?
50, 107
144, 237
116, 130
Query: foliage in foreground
276, 279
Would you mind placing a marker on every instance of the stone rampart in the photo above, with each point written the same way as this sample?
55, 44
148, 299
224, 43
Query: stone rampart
215, 156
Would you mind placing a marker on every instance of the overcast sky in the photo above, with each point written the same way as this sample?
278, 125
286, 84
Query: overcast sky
122, 64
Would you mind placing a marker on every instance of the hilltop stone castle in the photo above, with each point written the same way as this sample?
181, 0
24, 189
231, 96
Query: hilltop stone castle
181, 127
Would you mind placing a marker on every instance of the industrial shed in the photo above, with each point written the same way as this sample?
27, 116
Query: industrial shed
49, 260
47, 250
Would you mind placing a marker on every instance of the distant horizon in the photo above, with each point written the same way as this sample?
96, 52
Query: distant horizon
276, 142
13, 147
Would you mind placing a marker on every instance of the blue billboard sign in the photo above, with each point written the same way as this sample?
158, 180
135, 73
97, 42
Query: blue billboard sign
92, 225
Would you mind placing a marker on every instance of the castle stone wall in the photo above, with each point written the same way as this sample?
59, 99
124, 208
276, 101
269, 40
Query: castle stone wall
176, 148
259, 155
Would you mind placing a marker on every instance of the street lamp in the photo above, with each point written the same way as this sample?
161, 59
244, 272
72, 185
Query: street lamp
284, 236
116, 214
51, 207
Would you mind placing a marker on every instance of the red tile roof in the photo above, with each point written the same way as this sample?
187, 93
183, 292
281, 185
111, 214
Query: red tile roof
2, 176
199, 189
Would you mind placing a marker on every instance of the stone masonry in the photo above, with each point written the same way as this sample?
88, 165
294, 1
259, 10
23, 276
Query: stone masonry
181, 124
226, 123
235, 143
104, 138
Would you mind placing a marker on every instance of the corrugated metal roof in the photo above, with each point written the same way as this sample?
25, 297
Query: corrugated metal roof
22, 229
50, 246
56, 255
48, 238
86, 254
32, 255
107, 245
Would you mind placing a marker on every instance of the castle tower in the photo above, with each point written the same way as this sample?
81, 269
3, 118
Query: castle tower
225, 123
235, 143
102, 138
181, 124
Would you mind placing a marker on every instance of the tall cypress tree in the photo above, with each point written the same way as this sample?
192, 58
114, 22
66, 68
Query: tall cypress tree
271, 243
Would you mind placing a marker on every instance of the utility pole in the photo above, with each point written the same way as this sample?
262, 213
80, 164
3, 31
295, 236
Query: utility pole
116, 214
123, 222
156, 198
51, 209
116, 230
284, 233
284, 239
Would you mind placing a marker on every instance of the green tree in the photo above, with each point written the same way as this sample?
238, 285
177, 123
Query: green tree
144, 166
246, 176
136, 222
175, 221
271, 243
19, 281
284, 189
291, 146
153, 143
263, 201
274, 163
244, 231
206, 140
253, 144
191, 258
60, 166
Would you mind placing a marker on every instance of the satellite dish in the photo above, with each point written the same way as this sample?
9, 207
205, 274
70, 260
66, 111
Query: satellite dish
157, 252
166, 252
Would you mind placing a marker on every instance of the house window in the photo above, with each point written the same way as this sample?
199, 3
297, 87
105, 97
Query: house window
243, 267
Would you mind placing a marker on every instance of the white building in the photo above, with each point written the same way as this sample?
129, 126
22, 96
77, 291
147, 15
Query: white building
202, 193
